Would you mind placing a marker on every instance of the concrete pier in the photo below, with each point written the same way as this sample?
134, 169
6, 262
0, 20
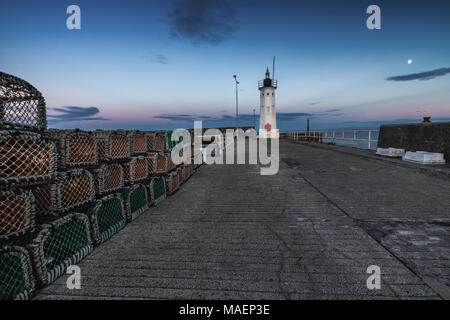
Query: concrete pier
309, 232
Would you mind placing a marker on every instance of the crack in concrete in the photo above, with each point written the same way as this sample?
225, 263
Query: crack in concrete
436, 289
283, 243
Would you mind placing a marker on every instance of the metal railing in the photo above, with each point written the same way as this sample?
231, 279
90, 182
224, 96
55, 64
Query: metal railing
361, 139
274, 83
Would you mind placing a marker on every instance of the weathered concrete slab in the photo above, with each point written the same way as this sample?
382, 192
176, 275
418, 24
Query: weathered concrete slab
404, 207
309, 232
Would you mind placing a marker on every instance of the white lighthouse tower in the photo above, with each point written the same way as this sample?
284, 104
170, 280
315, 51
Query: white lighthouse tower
268, 115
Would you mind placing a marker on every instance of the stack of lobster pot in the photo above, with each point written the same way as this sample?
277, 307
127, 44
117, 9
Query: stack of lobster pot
62, 192
34, 197
136, 195
158, 166
107, 213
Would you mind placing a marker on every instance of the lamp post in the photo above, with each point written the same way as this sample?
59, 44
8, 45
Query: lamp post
237, 103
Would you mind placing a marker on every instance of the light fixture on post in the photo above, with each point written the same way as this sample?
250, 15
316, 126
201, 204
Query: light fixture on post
237, 103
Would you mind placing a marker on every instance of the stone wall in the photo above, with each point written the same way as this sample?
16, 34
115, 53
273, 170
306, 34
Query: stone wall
431, 137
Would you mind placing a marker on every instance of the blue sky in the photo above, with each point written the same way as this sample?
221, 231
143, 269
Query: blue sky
162, 64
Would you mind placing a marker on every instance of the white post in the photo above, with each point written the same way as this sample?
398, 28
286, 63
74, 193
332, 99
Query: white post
343, 138
370, 138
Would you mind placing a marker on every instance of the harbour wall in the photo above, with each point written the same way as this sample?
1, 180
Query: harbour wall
431, 137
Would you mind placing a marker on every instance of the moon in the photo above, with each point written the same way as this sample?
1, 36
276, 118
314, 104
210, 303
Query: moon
409, 61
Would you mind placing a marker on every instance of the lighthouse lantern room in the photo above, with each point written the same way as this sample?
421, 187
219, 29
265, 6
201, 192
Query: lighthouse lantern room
268, 114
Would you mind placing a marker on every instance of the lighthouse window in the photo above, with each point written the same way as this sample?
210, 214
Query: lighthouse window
268, 93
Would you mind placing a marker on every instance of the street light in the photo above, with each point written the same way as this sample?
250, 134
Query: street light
237, 103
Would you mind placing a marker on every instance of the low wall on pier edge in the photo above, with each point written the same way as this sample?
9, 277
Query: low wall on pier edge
431, 137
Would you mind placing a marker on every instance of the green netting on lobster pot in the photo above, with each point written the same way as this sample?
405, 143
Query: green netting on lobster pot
172, 183
59, 244
107, 218
194, 167
171, 144
16, 274
157, 190
136, 201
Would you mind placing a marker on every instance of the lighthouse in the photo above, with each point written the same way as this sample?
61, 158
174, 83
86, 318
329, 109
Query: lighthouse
268, 114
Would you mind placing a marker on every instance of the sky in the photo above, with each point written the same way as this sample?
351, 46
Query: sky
163, 64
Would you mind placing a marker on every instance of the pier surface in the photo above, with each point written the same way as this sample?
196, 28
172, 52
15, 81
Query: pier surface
309, 232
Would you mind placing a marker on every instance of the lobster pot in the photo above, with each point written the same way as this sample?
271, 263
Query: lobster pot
108, 178
192, 132
172, 183
192, 142
162, 163
107, 217
118, 146
180, 175
100, 137
135, 170
138, 142
74, 189
151, 141
161, 142
75, 148
198, 160
26, 158
157, 189
113, 145
190, 169
16, 274
170, 143
135, 201
193, 165
21, 105
152, 159
186, 172
172, 165
60, 244
17, 213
